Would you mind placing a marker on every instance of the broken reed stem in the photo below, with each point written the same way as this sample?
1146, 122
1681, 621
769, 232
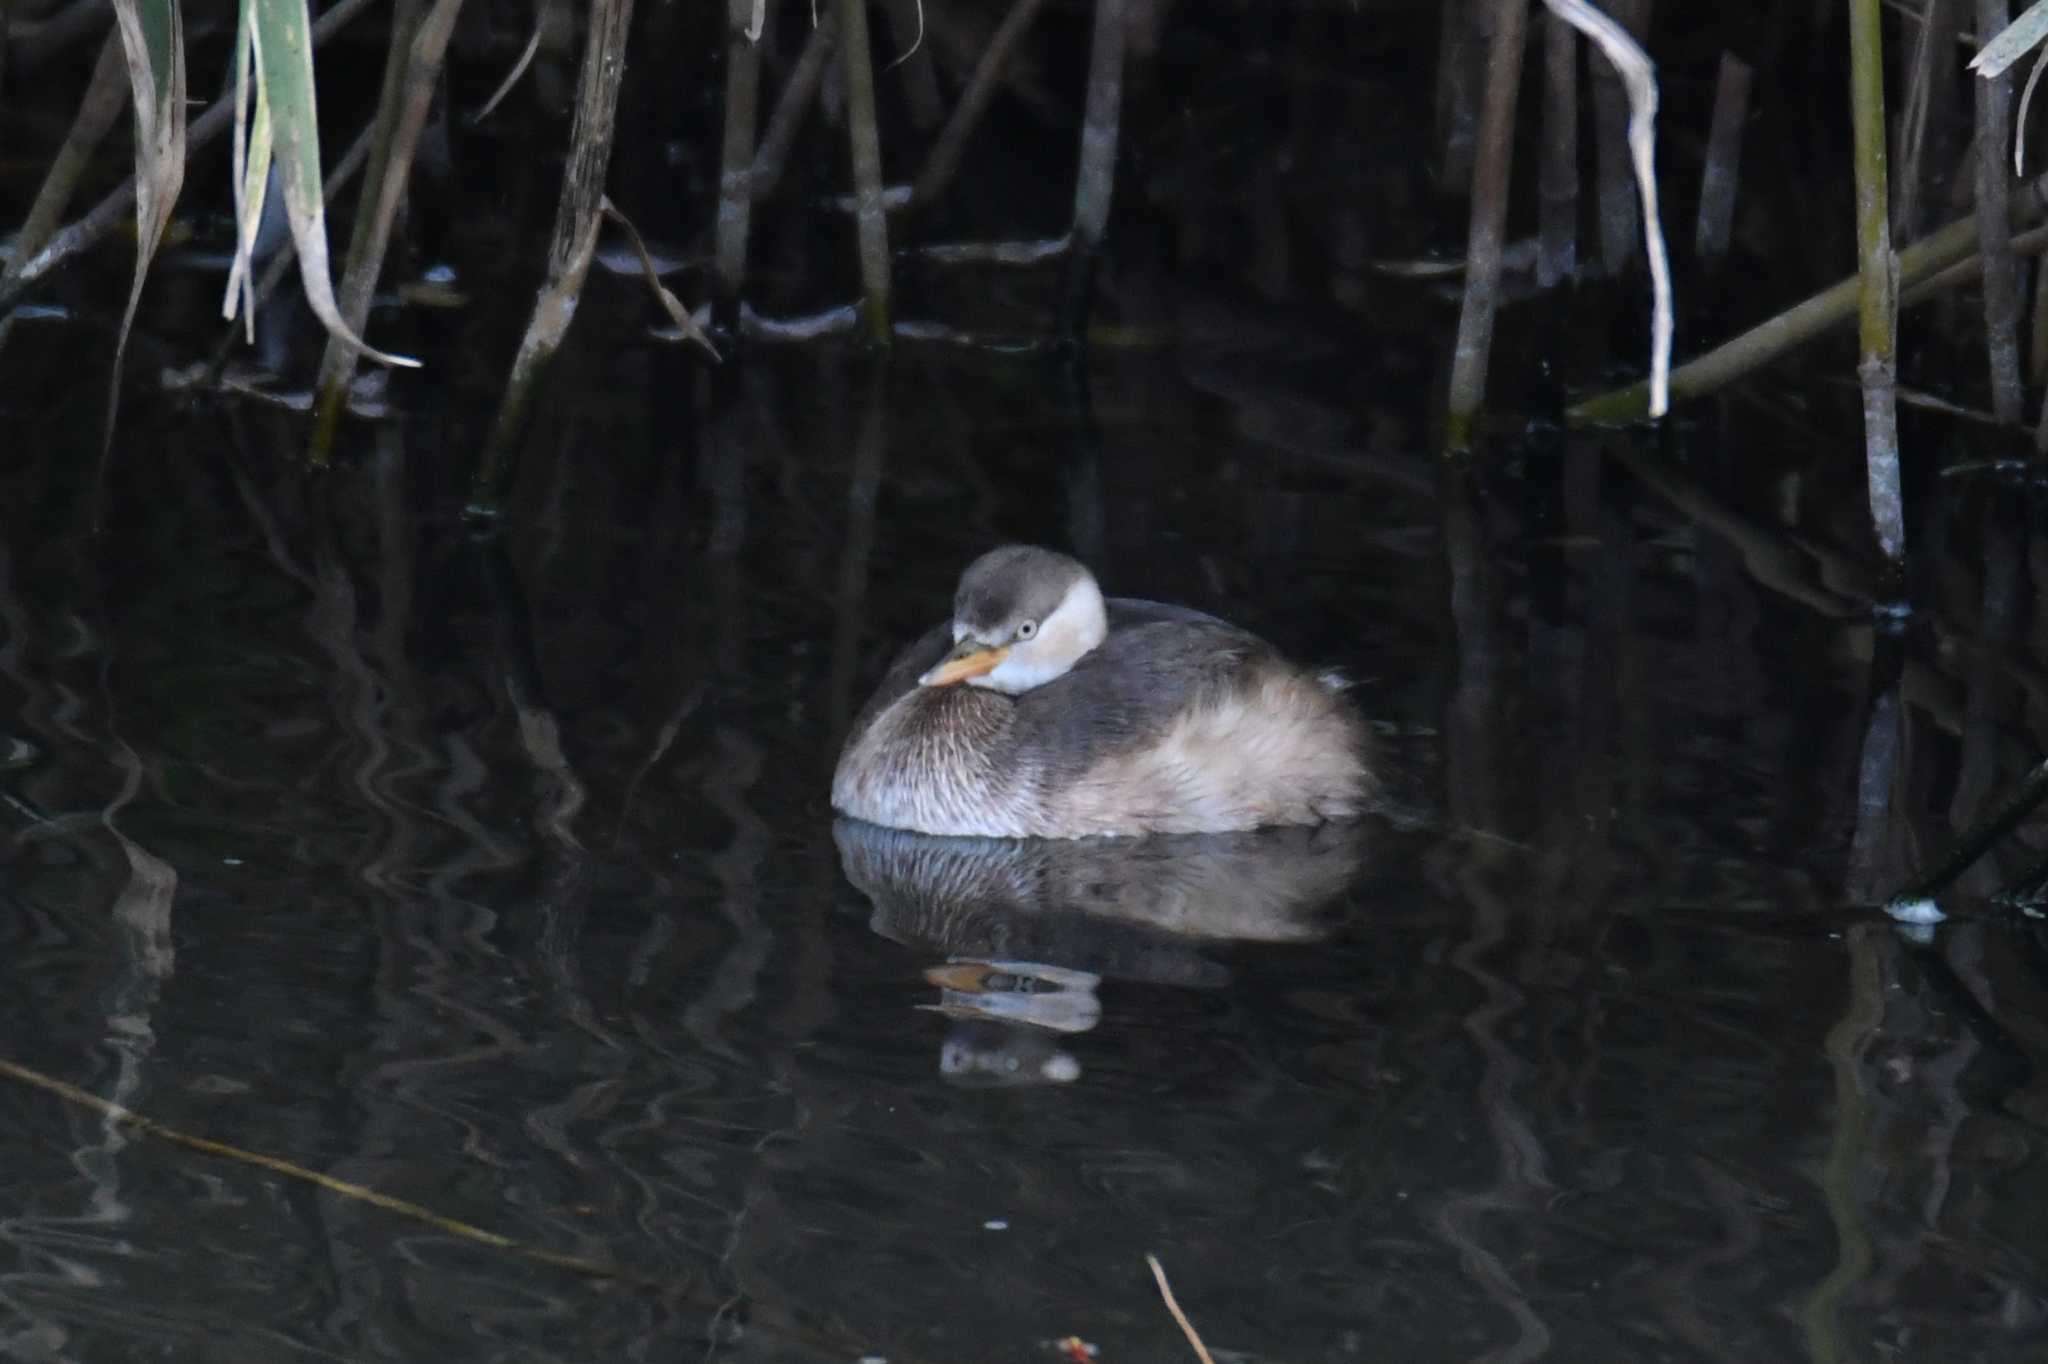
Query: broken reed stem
1488, 221
1723, 170
416, 69
1796, 325
981, 88
1557, 184
736, 156
864, 144
1180, 1318
797, 96
109, 213
1877, 271
1994, 187
575, 240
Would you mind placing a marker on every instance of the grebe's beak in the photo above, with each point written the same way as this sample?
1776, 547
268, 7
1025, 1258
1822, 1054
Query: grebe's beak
970, 658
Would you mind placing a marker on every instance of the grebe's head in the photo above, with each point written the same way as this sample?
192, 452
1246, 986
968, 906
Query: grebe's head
1022, 617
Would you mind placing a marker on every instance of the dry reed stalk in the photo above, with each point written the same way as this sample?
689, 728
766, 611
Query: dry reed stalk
1557, 188
1095, 177
1459, 64
1488, 220
864, 145
1926, 124
1723, 170
944, 159
1878, 276
1994, 187
106, 95
797, 95
414, 70
577, 214
1614, 192
736, 156
1797, 325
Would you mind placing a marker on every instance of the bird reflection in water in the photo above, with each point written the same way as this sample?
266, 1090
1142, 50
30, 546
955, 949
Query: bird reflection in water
1031, 928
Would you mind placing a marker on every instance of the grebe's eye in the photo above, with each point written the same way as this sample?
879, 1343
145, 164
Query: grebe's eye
1027, 629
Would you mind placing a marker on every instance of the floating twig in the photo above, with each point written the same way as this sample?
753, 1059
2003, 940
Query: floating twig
129, 1118
1180, 1318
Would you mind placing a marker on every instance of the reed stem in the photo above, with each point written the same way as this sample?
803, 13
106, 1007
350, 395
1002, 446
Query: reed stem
864, 140
1490, 171
1878, 276
577, 214
1994, 188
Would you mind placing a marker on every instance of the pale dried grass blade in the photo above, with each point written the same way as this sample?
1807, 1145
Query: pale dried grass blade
2012, 42
1639, 78
2019, 138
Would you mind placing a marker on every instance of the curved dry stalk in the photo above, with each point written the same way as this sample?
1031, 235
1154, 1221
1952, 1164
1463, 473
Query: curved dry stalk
685, 324
511, 77
1639, 79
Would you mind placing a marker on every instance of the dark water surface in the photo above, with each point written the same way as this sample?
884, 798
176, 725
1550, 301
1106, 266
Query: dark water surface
498, 876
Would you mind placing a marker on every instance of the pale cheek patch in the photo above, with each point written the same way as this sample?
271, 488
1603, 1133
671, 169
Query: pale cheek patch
1069, 632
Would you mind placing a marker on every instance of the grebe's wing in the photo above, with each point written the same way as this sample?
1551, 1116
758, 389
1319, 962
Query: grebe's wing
1132, 689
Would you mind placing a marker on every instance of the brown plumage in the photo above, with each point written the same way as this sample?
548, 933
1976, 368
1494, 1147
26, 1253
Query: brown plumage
1082, 717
